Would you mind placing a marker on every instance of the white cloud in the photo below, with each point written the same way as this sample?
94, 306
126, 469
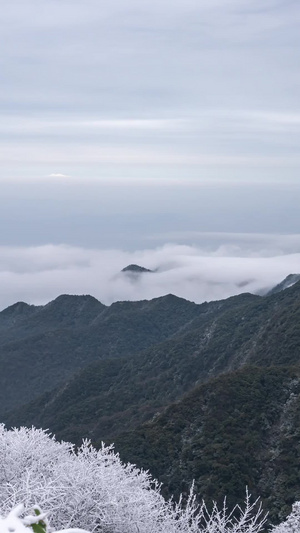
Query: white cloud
39, 274
58, 175
239, 244
136, 92
220, 139
27, 126
123, 155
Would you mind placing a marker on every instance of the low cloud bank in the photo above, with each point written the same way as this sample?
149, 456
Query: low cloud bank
37, 275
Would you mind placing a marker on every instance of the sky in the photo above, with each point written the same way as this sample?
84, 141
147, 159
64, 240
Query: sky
144, 128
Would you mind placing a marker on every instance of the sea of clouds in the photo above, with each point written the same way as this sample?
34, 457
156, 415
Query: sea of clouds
39, 274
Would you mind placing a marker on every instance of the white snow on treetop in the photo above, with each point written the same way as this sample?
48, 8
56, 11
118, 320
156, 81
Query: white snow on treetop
94, 491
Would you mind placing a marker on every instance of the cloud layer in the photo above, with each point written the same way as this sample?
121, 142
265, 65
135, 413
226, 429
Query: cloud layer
39, 274
98, 90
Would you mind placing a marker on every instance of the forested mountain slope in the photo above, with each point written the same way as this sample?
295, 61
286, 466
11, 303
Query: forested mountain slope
240, 429
109, 396
43, 346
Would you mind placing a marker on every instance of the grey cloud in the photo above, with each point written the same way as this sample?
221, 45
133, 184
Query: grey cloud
175, 82
237, 139
175, 47
131, 94
39, 274
134, 214
238, 244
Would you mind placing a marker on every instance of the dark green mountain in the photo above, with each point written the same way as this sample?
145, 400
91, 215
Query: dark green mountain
43, 346
136, 269
109, 396
240, 429
208, 392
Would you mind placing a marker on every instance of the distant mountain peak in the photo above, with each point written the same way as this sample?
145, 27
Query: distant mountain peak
74, 298
136, 269
289, 281
19, 309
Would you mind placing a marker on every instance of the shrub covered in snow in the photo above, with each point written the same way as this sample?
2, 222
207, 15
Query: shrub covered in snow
93, 490
37, 523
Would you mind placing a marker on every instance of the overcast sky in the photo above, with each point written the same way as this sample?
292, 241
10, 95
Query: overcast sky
129, 125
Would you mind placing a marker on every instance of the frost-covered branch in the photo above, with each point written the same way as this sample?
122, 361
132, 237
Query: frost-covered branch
92, 490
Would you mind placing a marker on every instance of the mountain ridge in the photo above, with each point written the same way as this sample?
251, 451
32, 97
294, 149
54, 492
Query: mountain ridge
50, 343
207, 391
112, 395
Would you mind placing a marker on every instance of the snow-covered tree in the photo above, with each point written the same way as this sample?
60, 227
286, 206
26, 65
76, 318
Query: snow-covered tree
292, 523
93, 490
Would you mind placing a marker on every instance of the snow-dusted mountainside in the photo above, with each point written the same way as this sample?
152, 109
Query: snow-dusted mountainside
290, 280
110, 373
137, 357
240, 429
